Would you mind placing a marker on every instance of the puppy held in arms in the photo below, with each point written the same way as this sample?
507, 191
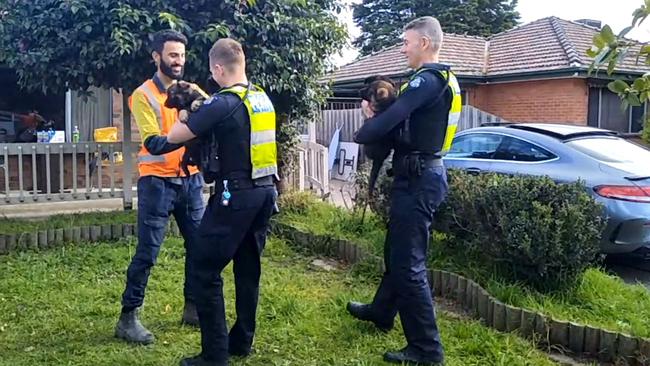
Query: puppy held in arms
380, 93
182, 96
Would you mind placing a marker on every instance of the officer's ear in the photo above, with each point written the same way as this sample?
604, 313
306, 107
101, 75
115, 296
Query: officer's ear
219, 69
426, 41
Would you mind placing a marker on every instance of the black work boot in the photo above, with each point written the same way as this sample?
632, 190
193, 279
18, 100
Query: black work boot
199, 361
130, 329
238, 351
363, 312
408, 357
190, 316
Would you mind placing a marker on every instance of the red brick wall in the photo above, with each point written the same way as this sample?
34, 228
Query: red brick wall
475, 96
561, 100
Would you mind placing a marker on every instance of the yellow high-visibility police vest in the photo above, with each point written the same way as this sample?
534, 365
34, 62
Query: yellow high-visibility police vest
454, 111
264, 152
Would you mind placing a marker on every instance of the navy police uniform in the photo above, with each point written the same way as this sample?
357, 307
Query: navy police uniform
234, 226
425, 122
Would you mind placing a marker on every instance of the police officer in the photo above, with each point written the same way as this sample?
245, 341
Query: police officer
242, 118
163, 187
425, 114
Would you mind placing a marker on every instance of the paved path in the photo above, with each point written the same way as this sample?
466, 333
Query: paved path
631, 270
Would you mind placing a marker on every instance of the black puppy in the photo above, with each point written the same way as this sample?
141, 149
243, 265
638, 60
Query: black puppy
380, 93
182, 96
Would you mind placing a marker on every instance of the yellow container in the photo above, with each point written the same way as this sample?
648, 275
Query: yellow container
108, 134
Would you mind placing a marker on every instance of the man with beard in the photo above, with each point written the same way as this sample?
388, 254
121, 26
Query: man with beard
163, 188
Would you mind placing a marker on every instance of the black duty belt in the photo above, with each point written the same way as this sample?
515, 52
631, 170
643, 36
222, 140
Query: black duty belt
413, 165
237, 184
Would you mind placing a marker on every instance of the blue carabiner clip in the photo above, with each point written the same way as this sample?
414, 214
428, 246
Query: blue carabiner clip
225, 195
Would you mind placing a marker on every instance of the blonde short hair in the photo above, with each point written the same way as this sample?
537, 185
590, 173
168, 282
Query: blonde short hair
427, 27
228, 53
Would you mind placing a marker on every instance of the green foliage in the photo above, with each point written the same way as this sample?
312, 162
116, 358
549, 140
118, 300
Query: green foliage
381, 21
530, 228
609, 50
288, 139
304, 211
527, 228
645, 133
78, 43
58, 44
599, 299
379, 201
296, 202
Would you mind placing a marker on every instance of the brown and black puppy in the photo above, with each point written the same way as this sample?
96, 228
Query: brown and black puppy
182, 96
381, 93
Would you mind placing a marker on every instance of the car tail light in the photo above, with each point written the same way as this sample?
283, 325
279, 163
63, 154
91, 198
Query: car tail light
625, 193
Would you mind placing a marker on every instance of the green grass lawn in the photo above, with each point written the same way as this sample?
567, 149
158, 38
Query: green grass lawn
600, 299
59, 307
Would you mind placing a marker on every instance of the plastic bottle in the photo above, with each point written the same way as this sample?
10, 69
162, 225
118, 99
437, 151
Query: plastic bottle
50, 134
75, 134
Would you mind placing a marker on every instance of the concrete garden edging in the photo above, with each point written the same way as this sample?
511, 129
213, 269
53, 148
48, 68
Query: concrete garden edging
51, 238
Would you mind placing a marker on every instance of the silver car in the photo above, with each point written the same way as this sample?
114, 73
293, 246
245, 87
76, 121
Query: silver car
615, 170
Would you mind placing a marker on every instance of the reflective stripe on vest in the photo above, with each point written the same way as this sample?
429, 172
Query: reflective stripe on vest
454, 111
262, 119
148, 158
153, 103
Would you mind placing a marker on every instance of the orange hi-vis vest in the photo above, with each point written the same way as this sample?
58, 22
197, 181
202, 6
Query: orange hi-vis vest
167, 165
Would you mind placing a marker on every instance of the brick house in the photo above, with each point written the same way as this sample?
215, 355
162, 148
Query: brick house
537, 72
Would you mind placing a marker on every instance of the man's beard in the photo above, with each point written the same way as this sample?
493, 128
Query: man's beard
167, 70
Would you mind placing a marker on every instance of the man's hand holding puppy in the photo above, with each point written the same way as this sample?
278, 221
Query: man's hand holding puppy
183, 115
366, 109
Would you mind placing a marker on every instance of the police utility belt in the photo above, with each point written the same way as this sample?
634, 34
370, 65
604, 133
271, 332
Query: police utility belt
238, 183
413, 164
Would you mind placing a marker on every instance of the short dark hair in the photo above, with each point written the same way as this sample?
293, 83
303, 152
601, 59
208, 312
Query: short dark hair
167, 35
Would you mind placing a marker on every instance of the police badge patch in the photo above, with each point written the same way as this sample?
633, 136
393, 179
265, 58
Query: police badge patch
209, 100
415, 83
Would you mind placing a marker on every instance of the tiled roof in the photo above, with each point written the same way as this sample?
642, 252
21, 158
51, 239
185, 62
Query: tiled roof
464, 53
546, 44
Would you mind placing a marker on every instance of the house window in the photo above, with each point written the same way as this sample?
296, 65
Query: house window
605, 112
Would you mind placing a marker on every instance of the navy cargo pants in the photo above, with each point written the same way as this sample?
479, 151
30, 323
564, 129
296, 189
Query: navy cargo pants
157, 199
235, 232
404, 287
